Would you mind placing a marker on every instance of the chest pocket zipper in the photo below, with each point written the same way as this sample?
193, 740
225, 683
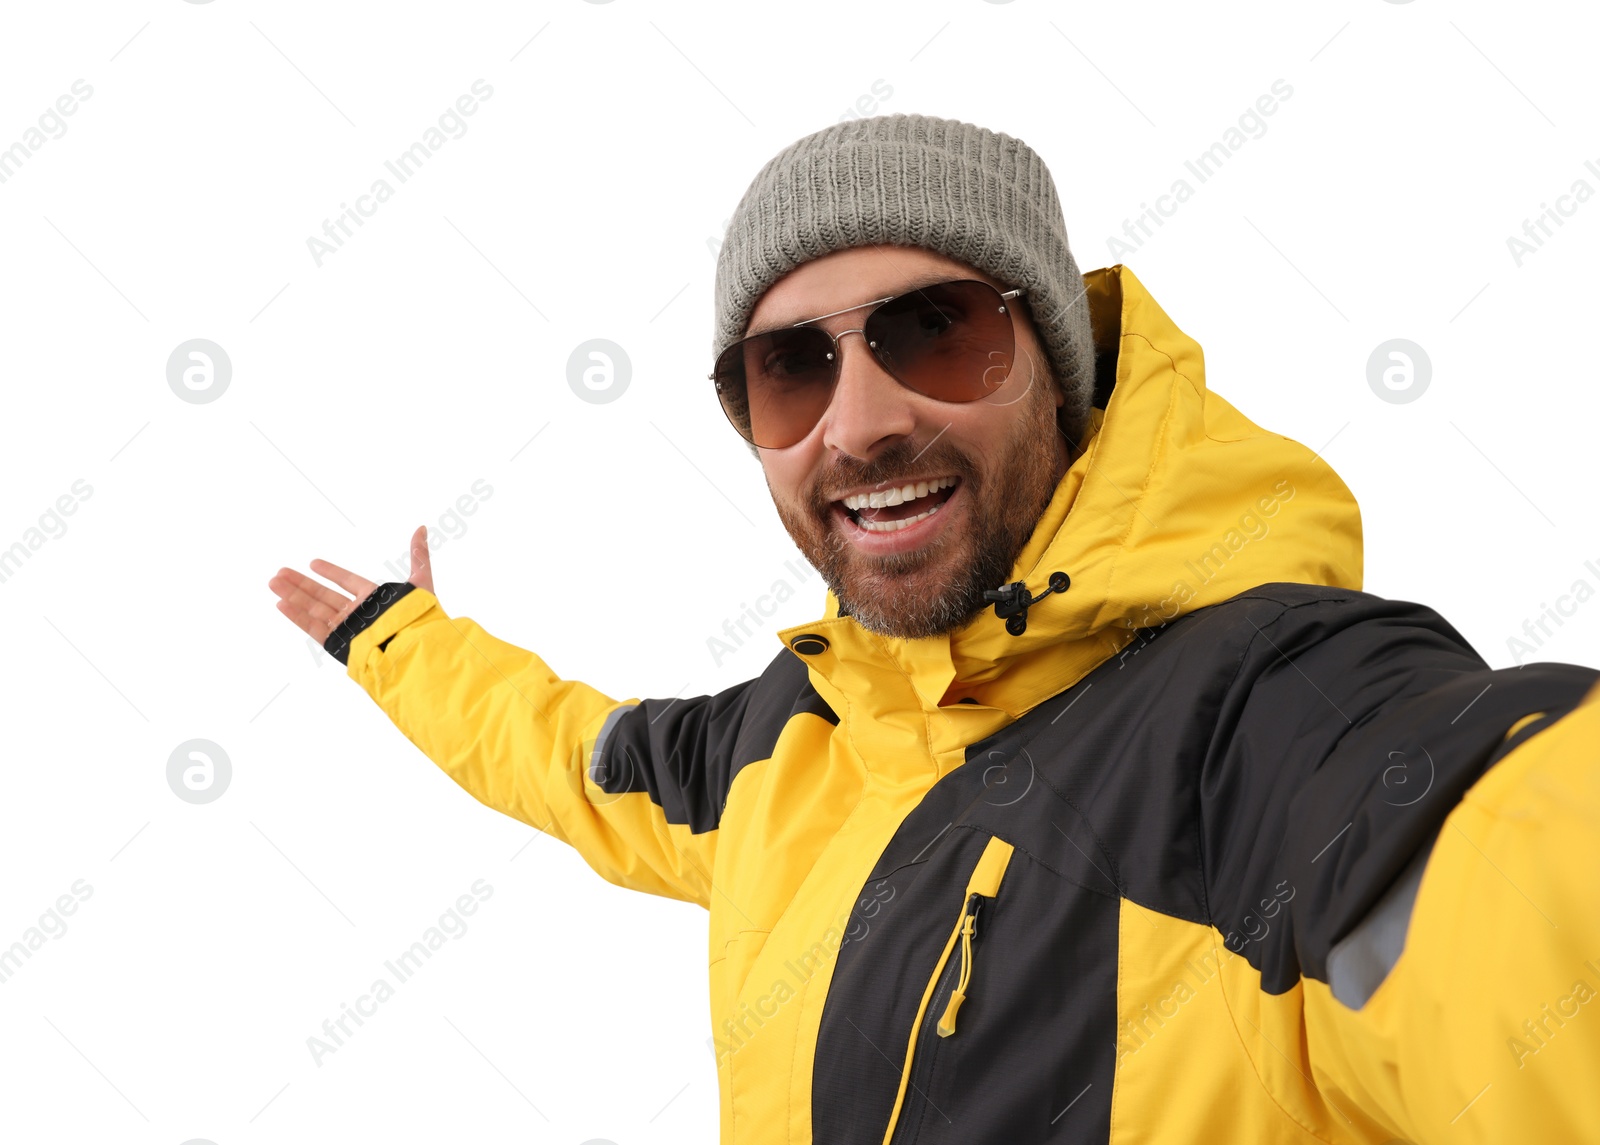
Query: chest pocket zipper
983, 885
969, 922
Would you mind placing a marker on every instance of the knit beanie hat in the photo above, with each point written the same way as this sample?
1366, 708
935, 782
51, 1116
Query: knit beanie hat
978, 196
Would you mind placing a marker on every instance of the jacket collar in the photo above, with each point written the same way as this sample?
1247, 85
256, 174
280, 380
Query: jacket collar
1178, 501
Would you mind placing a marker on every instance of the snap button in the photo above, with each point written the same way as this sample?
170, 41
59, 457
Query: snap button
810, 644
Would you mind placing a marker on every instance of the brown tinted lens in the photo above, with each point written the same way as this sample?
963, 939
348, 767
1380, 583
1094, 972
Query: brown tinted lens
776, 386
952, 341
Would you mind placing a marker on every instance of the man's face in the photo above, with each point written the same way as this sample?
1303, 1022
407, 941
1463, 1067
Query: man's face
999, 458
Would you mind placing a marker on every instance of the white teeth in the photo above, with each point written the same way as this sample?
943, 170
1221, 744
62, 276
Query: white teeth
896, 526
884, 498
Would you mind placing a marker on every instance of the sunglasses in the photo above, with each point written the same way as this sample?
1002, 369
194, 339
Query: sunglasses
950, 341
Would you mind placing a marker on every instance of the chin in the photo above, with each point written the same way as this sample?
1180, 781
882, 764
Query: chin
935, 598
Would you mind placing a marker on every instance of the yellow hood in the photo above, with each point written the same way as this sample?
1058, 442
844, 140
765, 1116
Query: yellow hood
1178, 501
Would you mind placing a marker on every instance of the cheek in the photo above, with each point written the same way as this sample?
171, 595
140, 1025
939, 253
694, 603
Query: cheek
1016, 397
788, 474
982, 430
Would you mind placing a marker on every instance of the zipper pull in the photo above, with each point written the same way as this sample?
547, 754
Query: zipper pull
947, 1023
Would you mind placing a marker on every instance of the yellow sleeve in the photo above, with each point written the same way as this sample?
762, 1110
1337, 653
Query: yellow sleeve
1487, 1028
523, 741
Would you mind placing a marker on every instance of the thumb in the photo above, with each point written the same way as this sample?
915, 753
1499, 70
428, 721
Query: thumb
421, 561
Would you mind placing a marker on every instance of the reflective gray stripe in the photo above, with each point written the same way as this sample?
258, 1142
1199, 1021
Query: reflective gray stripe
1362, 959
597, 771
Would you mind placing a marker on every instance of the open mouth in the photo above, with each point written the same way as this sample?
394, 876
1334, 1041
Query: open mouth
898, 507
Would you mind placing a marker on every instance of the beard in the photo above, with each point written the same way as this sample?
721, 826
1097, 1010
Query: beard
938, 587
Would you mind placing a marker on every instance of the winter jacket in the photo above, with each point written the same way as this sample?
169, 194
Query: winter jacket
1211, 847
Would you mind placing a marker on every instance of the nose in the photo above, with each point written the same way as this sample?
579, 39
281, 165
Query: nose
869, 408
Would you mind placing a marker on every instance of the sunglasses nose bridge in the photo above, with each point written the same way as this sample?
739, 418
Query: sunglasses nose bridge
834, 354
866, 403
836, 357
854, 330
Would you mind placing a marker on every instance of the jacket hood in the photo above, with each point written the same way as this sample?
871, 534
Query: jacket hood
1177, 501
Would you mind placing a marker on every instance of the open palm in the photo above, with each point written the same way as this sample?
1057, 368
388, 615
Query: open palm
317, 609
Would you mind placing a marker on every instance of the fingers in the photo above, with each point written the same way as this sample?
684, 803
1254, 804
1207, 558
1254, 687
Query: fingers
421, 560
296, 584
296, 605
357, 586
304, 621
315, 608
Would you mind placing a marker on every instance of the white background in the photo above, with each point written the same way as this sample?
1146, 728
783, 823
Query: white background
585, 200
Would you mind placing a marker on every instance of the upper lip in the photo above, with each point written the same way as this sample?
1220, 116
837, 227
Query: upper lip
897, 483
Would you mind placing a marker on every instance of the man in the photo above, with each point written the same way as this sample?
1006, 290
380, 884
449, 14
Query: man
1100, 805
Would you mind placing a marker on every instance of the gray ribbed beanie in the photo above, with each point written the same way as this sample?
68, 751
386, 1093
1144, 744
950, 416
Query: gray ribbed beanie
971, 194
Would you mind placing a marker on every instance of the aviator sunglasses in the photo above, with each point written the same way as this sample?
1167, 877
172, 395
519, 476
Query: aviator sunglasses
950, 341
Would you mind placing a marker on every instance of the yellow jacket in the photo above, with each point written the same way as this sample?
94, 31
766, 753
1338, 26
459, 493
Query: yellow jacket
1217, 849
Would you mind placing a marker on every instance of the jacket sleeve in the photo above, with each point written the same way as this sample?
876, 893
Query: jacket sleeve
1485, 1024
635, 786
1432, 835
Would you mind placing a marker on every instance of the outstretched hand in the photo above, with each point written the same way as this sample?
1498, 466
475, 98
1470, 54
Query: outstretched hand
317, 609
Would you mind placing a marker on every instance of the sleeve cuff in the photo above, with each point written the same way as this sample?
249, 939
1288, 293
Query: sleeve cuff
363, 617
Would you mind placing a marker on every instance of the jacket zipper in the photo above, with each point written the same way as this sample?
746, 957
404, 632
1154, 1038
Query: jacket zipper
969, 926
946, 1001
952, 979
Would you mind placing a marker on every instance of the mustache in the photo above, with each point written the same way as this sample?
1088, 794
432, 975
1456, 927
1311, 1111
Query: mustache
893, 467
